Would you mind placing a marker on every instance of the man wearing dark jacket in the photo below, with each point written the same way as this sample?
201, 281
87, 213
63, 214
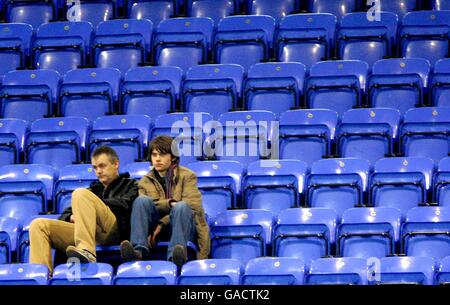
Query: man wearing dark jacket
99, 214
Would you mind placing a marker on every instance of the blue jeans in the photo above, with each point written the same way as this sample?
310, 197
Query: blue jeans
145, 217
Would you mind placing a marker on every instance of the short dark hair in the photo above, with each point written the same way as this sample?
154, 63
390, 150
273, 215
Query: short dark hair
163, 145
111, 153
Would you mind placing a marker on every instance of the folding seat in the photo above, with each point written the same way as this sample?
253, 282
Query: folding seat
183, 42
122, 44
241, 234
15, 41
363, 39
398, 83
274, 185
214, 9
274, 271
338, 8
136, 169
152, 91
425, 133
307, 135
70, 178
93, 11
368, 133
400, 8
154, 10
82, 274
244, 40
23, 274
214, 89
305, 38
368, 232
220, 185
406, 270
425, 232
146, 273
25, 190
401, 183
277, 9
29, 94
89, 93
8, 238
34, 13
127, 134
304, 233
440, 84
56, 141
443, 272
441, 183
12, 138
275, 87
438, 5
62, 46
337, 271
336, 85
211, 272
337, 184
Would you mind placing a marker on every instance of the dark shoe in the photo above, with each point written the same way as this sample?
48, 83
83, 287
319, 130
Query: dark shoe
179, 256
128, 252
83, 255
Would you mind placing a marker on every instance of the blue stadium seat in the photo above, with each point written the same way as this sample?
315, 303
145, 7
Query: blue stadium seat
220, 83
401, 183
337, 184
15, 41
29, 94
406, 270
23, 274
275, 87
441, 183
183, 42
440, 84
8, 238
400, 8
154, 10
336, 85
214, 9
398, 83
12, 138
152, 91
368, 133
211, 272
304, 233
305, 38
307, 135
338, 271
89, 93
425, 133
34, 13
93, 11
146, 273
278, 9
362, 39
274, 271
244, 40
443, 272
62, 46
122, 44
438, 5
338, 8
241, 234
56, 141
368, 232
137, 169
127, 134
425, 232
82, 274
274, 185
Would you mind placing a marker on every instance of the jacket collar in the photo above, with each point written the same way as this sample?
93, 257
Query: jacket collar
151, 174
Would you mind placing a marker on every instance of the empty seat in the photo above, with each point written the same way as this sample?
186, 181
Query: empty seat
34, 13
336, 85
443, 272
152, 91
137, 169
93, 11
400, 8
307, 135
62, 46
183, 42
274, 271
122, 44
146, 273
425, 133
23, 274
304, 233
440, 5
244, 40
401, 183
8, 238
440, 84
154, 10
337, 271
275, 87
84, 274
214, 9
12, 138
305, 38
338, 8
441, 183
398, 83
338, 184
29, 94
368, 133
278, 9
211, 272
89, 93
214, 89
406, 270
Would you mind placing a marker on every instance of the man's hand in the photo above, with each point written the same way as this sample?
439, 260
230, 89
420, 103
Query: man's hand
172, 203
72, 219
152, 238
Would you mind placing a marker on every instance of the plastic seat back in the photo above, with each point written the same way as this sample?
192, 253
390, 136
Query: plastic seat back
338, 271
274, 271
211, 272
15, 39
12, 138
146, 273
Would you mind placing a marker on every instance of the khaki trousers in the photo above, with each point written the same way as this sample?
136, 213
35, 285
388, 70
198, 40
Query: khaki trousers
94, 223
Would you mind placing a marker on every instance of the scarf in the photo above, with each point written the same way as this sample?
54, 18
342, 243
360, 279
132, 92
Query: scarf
169, 179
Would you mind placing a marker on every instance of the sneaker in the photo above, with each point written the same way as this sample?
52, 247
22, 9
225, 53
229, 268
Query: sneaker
83, 255
128, 252
179, 255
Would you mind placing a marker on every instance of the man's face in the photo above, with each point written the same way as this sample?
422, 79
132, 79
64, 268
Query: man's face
105, 170
161, 162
